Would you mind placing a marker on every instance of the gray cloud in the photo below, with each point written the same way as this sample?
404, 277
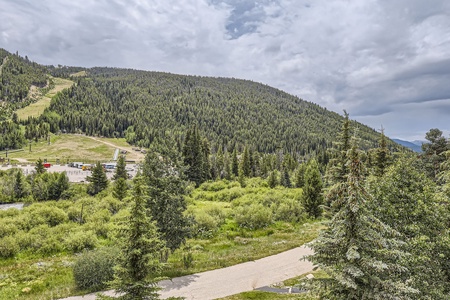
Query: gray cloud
386, 62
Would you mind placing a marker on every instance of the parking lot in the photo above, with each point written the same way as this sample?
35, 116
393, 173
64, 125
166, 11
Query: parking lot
74, 174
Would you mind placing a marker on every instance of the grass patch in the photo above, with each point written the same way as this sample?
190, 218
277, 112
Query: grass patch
258, 295
78, 74
37, 108
72, 147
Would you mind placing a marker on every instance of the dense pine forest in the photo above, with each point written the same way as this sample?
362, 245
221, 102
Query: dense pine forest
234, 170
143, 106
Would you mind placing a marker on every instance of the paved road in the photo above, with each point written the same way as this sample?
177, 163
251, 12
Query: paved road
233, 280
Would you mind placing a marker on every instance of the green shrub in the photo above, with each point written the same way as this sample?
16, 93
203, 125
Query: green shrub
50, 245
205, 224
80, 240
94, 269
289, 210
214, 186
8, 247
254, 216
44, 213
7, 227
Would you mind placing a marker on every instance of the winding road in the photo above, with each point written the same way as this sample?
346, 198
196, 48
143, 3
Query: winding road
232, 280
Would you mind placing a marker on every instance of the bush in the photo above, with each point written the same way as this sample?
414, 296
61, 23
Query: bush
44, 213
94, 269
289, 211
80, 240
254, 216
8, 247
7, 227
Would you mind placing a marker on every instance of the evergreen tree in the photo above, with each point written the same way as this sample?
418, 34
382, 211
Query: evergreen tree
245, 163
97, 181
381, 155
359, 252
220, 162
138, 262
235, 164
273, 179
338, 169
194, 156
226, 166
312, 197
19, 185
39, 168
433, 151
120, 188
286, 180
300, 176
166, 190
206, 164
121, 171
405, 199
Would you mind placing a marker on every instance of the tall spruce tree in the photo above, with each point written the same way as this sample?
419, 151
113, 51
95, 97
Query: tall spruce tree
433, 152
97, 181
300, 176
39, 168
381, 155
312, 197
163, 176
338, 169
121, 171
245, 163
235, 163
405, 199
360, 253
193, 154
138, 262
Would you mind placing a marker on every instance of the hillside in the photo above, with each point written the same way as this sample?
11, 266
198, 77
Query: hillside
143, 106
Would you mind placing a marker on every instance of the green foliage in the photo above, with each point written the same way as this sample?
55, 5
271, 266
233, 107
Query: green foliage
254, 216
166, 192
312, 197
121, 171
8, 247
272, 181
39, 168
139, 252
361, 254
97, 181
405, 200
120, 188
94, 269
81, 240
433, 151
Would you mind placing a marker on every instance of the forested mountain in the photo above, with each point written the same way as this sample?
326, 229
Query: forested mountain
17, 76
143, 106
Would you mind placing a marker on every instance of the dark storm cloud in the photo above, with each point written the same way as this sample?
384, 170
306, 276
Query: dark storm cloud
385, 62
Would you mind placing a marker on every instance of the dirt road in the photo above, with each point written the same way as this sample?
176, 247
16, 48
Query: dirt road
233, 280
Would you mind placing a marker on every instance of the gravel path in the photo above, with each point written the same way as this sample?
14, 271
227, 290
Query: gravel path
233, 280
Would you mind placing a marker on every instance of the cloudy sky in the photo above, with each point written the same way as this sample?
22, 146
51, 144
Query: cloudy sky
386, 62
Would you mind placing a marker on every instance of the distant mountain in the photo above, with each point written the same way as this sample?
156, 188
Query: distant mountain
416, 146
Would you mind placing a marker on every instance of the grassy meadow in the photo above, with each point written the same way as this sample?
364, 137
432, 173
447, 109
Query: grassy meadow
75, 147
232, 224
37, 108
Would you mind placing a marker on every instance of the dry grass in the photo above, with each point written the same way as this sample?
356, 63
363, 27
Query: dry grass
74, 147
37, 108
78, 74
